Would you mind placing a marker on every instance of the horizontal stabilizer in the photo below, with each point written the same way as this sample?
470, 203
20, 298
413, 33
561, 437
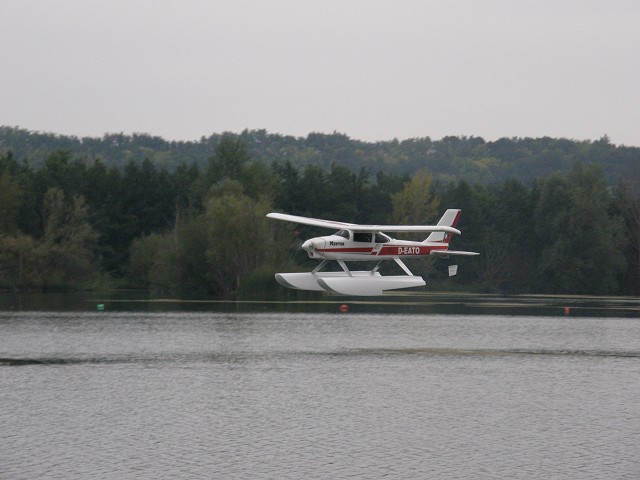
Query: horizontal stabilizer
446, 253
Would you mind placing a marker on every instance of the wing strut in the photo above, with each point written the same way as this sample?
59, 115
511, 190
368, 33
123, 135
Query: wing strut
344, 267
403, 267
319, 267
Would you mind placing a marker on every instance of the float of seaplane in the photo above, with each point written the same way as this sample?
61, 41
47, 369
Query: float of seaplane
358, 243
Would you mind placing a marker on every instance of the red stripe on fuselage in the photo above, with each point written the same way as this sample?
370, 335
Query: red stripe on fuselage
345, 250
391, 250
409, 250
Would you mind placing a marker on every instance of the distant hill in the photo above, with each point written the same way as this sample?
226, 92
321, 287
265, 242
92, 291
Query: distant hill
450, 158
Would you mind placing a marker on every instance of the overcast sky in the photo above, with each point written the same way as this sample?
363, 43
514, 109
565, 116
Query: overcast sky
373, 70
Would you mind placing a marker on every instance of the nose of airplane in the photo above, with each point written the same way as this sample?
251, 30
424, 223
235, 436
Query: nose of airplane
314, 247
309, 246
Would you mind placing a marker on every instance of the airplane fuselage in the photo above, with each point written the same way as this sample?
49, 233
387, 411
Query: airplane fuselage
379, 247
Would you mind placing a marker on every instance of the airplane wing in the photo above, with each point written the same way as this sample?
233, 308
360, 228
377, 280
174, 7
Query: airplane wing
314, 222
317, 222
446, 253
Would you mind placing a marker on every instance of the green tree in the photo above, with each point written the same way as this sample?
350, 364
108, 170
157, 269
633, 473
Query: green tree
10, 203
166, 265
287, 188
509, 254
19, 262
66, 249
241, 240
415, 204
581, 241
142, 200
63, 258
228, 161
343, 188
217, 252
142, 259
627, 206
312, 188
194, 271
478, 205
106, 200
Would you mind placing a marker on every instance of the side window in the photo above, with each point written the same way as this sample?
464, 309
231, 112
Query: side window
381, 238
363, 237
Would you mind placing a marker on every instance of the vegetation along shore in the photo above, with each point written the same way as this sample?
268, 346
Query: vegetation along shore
188, 218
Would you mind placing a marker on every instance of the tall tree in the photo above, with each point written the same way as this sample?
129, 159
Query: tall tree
241, 240
228, 161
10, 202
478, 205
415, 204
67, 256
508, 263
581, 241
19, 262
627, 206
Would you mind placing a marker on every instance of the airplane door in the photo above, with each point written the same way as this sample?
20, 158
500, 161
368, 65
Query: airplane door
379, 239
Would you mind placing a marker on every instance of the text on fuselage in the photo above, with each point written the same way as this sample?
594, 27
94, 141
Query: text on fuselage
408, 250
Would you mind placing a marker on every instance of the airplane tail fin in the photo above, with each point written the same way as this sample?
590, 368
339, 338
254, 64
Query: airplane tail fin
449, 219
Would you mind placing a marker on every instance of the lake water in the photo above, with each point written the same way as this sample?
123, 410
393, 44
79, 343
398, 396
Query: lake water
124, 395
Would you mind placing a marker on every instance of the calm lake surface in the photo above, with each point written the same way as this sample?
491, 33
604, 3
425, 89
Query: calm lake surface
123, 395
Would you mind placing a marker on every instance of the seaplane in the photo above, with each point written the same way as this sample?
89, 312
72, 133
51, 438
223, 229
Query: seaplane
357, 243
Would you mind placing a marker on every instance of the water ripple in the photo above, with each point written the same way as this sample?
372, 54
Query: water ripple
324, 397
238, 356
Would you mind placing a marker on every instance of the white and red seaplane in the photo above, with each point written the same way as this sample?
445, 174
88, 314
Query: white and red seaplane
357, 243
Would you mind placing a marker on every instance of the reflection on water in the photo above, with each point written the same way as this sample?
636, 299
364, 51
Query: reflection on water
217, 395
416, 301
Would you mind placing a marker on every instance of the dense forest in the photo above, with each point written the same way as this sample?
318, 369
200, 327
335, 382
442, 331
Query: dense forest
449, 159
78, 218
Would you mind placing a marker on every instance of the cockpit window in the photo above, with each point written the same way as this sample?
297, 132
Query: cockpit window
363, 237
382, 238
342, 233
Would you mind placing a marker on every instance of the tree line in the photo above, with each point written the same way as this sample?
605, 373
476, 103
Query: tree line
202, 231
449, 159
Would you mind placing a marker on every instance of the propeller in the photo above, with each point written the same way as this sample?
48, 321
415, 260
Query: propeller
310, 245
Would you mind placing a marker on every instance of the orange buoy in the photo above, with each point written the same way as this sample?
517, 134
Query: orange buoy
344, 308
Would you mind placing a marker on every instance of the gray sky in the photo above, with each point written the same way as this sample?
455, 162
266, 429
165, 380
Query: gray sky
373, 70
